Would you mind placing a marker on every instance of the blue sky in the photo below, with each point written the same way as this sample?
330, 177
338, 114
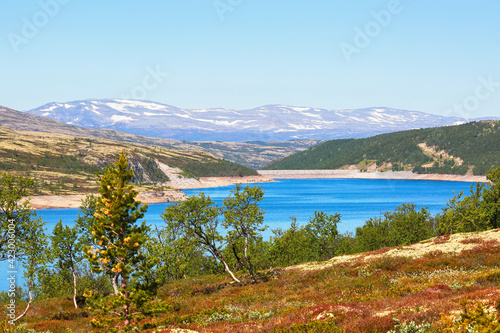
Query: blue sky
441, 57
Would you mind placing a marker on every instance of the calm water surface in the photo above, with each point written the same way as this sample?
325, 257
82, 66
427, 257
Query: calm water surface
355, 199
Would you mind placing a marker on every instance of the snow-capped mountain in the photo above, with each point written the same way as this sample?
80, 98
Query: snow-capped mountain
265, 123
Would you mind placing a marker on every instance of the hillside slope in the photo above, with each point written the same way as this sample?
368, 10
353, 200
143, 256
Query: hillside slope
251, 154
65, 164
472, 147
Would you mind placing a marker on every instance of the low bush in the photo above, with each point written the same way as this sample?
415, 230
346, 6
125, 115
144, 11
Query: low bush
410, 327
478, 320
311, 327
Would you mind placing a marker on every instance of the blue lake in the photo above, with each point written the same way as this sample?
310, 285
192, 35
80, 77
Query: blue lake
356, 200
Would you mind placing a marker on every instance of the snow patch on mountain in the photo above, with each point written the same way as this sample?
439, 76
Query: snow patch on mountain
265, 123
116, 118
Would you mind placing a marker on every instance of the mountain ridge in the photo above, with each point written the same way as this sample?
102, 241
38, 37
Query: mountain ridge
251, 154
270, 122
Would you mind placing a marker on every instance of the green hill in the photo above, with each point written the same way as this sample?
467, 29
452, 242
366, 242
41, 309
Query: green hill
472, 147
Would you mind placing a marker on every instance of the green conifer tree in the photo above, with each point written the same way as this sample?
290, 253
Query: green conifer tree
118, 241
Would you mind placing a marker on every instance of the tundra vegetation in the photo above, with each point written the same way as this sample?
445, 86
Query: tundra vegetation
209, 269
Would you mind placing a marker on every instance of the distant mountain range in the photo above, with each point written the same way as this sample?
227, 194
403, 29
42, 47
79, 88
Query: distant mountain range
253, 155
265, 123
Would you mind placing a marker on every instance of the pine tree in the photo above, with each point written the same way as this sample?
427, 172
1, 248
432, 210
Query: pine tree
118, 242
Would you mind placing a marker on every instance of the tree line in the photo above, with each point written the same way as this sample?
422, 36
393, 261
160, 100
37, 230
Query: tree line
113, 265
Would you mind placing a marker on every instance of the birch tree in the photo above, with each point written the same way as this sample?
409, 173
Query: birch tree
22, 236
197, 220
243, 218
67, 251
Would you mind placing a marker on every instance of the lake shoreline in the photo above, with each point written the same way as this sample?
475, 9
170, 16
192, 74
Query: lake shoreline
75, 200
356, 174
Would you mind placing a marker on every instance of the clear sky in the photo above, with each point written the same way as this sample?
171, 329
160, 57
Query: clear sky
436, 56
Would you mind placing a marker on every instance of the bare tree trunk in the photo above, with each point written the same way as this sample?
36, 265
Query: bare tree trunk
248, 265
247, 258
226, 267
74, 289
27, 306
126, 310
114, 284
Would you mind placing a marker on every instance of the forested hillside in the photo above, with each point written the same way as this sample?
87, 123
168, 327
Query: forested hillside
472, 147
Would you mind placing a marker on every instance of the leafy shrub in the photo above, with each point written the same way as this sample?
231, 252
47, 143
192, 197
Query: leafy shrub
410, 327
492, 277
405, 225
477, 320
387, 263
